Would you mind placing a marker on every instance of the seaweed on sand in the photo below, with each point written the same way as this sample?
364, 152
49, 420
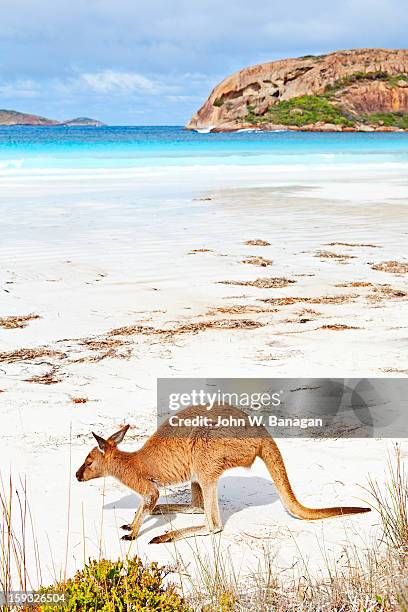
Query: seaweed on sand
51, 377
17, 321
380, 293
257, 243
187, 328
239, 309
338, 327
355, 244
30, 354
331, 255
258, 261
393, 267
355, 284
262, 283
326, 299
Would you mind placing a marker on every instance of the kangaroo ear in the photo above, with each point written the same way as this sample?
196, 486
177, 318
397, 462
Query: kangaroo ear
101, 442
117, 437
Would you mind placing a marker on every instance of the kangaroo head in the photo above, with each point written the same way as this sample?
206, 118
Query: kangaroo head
96, 463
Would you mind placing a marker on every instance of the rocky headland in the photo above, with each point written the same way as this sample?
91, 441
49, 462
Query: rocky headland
356, 90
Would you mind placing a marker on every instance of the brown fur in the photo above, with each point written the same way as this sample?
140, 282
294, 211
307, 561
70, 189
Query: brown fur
198, 454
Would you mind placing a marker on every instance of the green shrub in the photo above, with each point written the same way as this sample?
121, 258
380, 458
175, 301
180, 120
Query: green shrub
398, 77
110, 586
340, 84
302, 111
353, 78
311, 56
395, 119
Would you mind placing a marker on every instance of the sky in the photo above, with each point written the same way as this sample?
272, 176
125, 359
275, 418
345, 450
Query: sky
128, 62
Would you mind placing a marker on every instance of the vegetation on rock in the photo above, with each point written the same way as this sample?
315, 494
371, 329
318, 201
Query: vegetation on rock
396, 119
301, 111
313, 109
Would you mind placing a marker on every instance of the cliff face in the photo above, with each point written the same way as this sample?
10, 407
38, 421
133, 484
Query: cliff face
341, 90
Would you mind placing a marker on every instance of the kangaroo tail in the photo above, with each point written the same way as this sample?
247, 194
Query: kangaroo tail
271, 456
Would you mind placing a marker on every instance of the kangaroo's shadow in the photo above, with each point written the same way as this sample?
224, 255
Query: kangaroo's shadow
235, 493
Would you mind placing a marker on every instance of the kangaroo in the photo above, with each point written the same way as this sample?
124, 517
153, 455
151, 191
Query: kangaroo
199, 454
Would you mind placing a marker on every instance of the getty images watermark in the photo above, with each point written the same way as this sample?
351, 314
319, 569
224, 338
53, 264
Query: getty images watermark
254, 401
285, 407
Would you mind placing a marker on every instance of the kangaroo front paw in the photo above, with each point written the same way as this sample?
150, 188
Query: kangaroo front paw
126, 527
128, 537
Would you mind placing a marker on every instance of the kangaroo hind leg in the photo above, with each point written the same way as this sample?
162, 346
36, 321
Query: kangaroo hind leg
195, 507
212, 523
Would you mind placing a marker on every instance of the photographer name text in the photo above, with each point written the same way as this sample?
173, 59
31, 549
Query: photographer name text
250, 420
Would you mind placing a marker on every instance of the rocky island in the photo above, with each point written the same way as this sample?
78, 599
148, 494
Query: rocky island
83, 121
356, 90
12, 117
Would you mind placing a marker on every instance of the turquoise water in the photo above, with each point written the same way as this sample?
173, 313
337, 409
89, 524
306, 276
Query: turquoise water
126, 147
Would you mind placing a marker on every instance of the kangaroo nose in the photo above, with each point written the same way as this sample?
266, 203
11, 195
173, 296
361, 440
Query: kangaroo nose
78, 475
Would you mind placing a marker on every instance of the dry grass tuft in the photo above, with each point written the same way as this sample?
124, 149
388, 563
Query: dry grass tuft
393, 267
258, 243
30, 354
262, 283
79, 400
391, 502
258, 261
357, 583
17, 322
194, 251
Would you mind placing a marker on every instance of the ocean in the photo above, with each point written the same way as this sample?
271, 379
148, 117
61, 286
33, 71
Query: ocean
27, 149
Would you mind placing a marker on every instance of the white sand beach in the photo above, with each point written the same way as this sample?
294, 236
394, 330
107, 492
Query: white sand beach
163, 254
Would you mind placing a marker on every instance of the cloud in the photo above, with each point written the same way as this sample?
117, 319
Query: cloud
110, 81
21, 88
104, 83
